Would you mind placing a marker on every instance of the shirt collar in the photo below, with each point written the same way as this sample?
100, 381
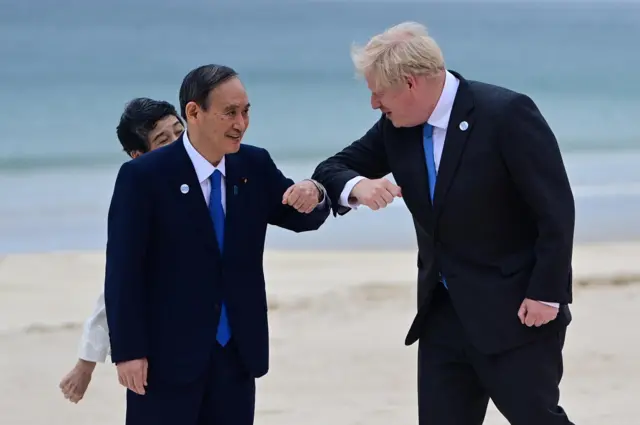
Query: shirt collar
204, 169
440, 116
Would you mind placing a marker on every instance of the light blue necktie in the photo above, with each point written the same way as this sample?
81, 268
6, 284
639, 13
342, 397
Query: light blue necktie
217, 215
427, 137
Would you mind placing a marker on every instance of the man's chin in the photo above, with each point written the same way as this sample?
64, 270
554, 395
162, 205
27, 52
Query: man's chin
400, 124
234, 145
395, 123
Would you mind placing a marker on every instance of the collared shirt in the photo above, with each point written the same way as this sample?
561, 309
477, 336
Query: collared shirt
439, 118
204, 170
94, 343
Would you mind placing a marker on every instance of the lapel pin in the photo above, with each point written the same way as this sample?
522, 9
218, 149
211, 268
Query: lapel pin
244, 180
463, 126
184, 189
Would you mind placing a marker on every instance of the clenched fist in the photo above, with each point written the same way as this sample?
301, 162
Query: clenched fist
535, 313
304, 196
375, 193
76, 382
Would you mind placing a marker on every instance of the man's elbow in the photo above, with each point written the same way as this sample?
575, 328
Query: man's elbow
567, 228
314, 220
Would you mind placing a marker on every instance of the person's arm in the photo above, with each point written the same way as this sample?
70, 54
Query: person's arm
94, 347
124, 289
94, 342
364, 158
286, 216
532, 155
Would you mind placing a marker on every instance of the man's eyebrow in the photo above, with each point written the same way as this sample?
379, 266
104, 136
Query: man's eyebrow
178, 122
236, 106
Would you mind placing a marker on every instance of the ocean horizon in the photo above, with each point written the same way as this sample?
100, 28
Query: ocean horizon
69, 68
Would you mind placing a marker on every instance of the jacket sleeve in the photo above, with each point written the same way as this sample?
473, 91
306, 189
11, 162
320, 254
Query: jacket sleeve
364, 158
286, 216
125, 281
532, 155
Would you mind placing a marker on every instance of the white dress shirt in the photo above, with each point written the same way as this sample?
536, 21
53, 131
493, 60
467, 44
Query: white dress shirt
204, 170
94, 343
439, 119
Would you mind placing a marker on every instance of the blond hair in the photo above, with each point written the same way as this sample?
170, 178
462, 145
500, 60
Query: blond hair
401, 51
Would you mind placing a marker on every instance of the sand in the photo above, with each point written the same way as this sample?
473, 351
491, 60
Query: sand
338, 321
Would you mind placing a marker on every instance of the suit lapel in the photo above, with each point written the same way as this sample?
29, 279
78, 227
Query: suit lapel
234, 196
196, 205
454, 143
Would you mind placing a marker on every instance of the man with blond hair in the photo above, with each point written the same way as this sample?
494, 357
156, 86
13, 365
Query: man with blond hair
482, 175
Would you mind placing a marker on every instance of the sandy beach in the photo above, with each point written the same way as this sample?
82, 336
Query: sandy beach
338, 321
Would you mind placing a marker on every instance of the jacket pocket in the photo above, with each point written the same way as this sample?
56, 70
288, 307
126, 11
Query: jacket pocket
517, 263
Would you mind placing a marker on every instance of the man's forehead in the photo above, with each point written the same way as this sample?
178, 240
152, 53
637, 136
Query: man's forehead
237, 103
374, 85
230, 93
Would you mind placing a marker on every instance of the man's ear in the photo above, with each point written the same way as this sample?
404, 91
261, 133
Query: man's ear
191, 110
134, 154
411, 82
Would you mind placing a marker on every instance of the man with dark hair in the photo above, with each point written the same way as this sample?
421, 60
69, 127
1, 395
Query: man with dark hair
145, 125
184, 288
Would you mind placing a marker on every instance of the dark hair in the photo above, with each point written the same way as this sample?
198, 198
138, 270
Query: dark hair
198, 83
138, 119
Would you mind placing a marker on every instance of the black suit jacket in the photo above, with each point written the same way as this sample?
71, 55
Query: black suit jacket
165, 275
502, 221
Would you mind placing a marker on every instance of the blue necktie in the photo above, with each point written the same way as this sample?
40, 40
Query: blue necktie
217, 215
427, 137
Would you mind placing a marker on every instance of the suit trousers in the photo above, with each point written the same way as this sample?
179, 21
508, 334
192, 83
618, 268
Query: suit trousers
456, 381
223, 395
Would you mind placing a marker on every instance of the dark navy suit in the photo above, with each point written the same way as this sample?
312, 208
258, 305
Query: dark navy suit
166, 280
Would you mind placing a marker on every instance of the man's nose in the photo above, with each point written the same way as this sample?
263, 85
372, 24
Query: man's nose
239, 124
375, 103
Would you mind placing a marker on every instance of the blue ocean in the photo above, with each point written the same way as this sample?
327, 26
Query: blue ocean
68, 68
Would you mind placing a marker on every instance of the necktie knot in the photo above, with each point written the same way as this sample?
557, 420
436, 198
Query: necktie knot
216, 178
428, 130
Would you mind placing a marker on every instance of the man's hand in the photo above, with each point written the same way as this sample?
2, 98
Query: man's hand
304, 196
133, 375
535, 313
75, 383
375, 193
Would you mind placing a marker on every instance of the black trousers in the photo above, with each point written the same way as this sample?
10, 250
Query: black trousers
456, 381
223, 395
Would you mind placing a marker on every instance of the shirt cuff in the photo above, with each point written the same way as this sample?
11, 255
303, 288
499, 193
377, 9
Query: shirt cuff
346, 192
89, 353
556, 305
